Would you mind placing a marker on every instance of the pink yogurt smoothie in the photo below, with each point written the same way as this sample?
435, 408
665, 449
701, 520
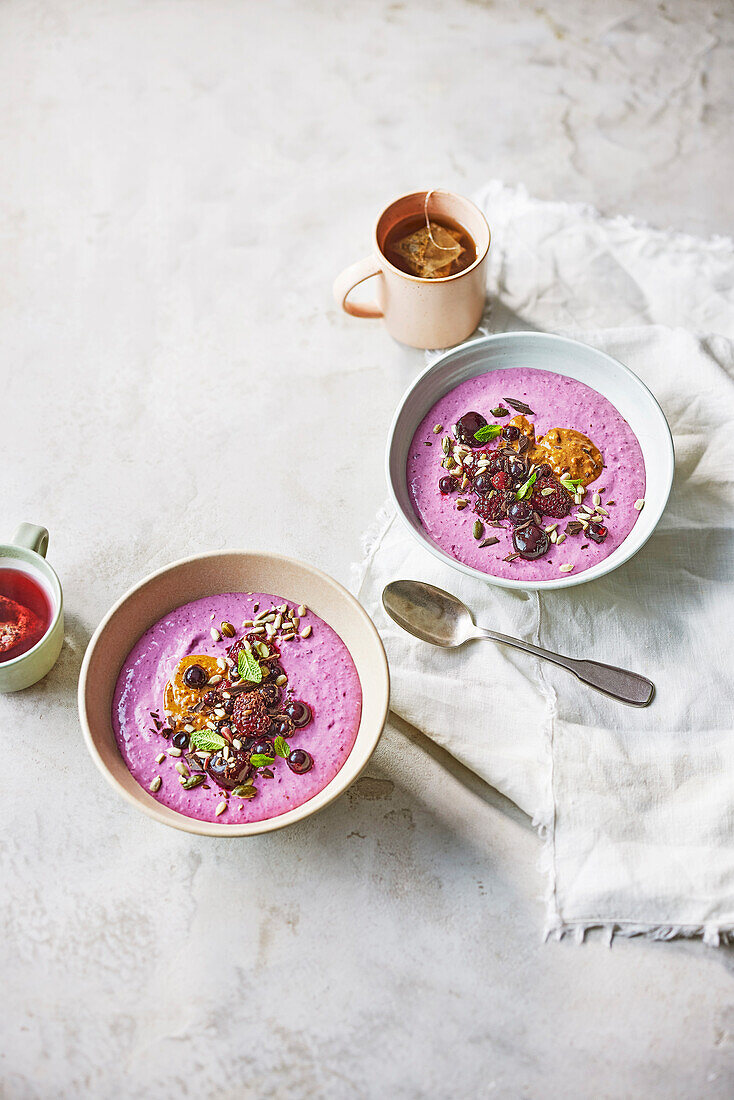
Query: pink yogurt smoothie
320, 672
557, 402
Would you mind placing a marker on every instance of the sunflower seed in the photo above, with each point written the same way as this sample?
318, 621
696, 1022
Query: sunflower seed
446, 444
437, 428
216, 679
236, 743
551, 528
565, 568
155, 785
288, 637
488, 542
639, 504
601, 511
278, 622
189, 728
228, 630
560, 539
221, 663
215, 634
596, 499
553, 536
220, 808
296, 621
281, 680
547, 492
174, 752
461, 504
181, 768
302, 610
263, 650
305, 633
219, 712
160, 758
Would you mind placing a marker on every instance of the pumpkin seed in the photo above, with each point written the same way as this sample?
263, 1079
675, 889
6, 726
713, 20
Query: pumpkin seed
244, 790
155, 784
478, 529
461, 504
228, 630
437, 428
263, 650
188, 782
445, 445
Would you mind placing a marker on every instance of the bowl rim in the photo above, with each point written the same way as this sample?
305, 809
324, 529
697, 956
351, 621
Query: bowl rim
569, 580
221, 829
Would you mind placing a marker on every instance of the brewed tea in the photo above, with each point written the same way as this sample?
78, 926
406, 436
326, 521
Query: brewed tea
25, 613
432, 249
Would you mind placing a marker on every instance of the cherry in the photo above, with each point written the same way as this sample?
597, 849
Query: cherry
298, 712
531, 542
511, 432
447, 485
466, 426
281, 726
519, 512
483, 484
516, 468
270, 695
597, 531
195, 676
501, 480
180, 740
263, 748
229, 772
300, 761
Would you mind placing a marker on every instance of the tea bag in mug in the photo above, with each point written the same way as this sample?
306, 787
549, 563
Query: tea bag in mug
430, 250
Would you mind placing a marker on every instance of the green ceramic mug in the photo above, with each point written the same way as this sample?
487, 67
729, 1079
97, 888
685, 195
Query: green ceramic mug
27, 553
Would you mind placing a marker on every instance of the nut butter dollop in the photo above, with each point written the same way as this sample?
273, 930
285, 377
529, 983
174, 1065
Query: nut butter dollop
568, 452
179, 699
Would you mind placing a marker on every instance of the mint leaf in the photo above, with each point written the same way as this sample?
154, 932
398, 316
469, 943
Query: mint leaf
487, 431
282, 748
526, 486
206, 741
248, 667
261, 760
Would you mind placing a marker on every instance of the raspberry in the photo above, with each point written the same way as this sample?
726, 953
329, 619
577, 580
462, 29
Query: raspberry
557, 504
494, 506
249, 715
501, 480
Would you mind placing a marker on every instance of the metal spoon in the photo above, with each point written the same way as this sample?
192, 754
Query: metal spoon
438, 617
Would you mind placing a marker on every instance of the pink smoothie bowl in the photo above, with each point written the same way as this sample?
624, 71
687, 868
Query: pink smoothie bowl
206, 575
562, 356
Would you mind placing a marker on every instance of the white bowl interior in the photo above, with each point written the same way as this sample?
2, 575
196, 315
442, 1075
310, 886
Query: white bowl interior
541, 351
210, 574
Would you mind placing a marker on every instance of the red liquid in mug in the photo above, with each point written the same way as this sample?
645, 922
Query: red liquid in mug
25, 594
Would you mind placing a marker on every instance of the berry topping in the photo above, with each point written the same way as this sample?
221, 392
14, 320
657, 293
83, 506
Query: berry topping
467, 425
493, 506
195, 677
597, 531
483, 484
531, 542
447, 485
230, 770
501, 480
249, 715
557, 503
511, 432
270, 695
298, 712
519, 511
300, 761
281, 726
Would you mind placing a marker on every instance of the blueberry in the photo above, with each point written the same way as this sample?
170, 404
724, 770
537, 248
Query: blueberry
300, 761
298, 712
195, 676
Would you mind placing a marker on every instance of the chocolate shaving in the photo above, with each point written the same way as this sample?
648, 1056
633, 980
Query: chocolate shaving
511, 557
522, 444
519, 406
494, 523
573, 527
237, 689
488, 542
525, 524
585, 546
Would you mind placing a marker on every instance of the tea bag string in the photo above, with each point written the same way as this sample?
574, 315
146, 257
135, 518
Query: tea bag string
434, 242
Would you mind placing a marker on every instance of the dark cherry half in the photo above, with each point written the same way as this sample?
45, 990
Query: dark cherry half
511, 432
531, 542
466, 426
298, 712
516, 468
597, 531
195, 677
300, 761
483, 484
281, 726
447, 485
228, 773
180, 740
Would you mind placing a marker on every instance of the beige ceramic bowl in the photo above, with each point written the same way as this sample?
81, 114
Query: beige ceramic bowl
206, 575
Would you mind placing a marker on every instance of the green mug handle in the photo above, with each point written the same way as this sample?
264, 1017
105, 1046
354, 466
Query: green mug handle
32, 538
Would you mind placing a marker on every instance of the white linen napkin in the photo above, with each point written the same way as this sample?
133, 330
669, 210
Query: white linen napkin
636, 808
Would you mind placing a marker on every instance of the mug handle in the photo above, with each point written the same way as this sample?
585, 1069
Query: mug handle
351, 277
32, 538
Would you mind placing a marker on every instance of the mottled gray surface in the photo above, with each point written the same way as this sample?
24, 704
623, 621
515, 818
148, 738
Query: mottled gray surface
180, 182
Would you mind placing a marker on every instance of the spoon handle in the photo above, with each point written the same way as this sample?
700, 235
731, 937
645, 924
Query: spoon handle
619, 683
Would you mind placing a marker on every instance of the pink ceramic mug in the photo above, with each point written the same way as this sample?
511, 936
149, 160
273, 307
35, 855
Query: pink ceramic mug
425, 313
